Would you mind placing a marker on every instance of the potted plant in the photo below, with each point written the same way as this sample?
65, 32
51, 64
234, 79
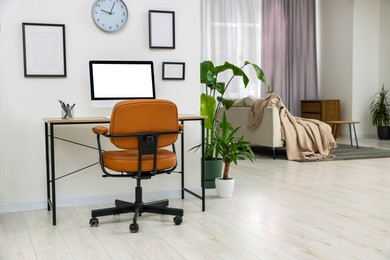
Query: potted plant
211, 101
231, 149
380, 113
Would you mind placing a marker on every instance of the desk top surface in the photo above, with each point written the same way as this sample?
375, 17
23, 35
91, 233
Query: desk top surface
80, 120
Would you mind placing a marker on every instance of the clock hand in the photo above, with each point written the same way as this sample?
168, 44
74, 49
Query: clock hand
112, 7
105, 11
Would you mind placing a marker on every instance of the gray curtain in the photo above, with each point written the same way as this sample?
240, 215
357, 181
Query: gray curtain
289, 57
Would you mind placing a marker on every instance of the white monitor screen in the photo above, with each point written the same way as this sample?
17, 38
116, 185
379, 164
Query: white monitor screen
120, 80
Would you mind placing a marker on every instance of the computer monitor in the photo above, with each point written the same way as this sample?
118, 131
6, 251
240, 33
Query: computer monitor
112, 81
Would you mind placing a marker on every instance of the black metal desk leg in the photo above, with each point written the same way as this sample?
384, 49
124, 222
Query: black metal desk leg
202, 169
53, 175
47, 166
182, 163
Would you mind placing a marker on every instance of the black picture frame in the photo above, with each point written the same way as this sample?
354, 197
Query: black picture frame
44, 51
173, 70
161, 29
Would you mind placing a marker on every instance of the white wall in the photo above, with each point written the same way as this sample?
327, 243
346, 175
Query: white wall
335, 52
384, 48
365, 61
25, 101
353, 37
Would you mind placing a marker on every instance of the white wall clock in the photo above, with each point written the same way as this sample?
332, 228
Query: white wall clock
109, 15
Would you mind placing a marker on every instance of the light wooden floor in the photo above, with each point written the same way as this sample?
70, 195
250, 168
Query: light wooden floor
280, 210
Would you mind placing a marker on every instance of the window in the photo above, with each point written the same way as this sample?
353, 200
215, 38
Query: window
231, 32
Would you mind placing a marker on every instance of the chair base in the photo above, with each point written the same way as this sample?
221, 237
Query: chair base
158, 207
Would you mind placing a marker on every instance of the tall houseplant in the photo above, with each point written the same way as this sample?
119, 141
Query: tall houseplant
211, 100
380, 113
213, 97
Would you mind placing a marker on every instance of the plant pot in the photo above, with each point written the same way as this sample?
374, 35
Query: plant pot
225, 188
383, 132
212, 170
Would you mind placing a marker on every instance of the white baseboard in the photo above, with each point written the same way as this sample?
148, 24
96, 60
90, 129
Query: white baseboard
81, 201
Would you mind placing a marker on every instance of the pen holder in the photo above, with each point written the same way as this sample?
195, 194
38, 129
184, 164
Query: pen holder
67, 112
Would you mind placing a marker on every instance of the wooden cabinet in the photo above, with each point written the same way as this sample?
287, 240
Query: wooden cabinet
323, 110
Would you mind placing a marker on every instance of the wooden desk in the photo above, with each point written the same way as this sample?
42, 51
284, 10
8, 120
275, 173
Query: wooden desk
51, 178
336, 127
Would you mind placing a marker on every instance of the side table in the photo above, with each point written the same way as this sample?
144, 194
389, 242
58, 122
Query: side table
336, 125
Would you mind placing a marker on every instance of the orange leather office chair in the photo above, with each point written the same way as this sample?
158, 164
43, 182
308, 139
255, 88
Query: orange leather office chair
142, 130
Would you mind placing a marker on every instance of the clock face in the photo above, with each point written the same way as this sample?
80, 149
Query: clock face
109, 15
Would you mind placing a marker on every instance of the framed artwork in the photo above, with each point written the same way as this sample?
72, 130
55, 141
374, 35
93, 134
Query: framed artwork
44, 50
161, 29
173, 70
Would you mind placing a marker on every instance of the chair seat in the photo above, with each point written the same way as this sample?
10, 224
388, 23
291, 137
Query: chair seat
127, 160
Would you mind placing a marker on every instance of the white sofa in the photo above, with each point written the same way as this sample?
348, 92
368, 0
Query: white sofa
268, 133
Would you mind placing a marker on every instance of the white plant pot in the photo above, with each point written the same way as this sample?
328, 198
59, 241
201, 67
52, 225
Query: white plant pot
225, 188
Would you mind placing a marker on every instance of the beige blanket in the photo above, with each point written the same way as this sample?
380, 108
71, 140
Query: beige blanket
306, 139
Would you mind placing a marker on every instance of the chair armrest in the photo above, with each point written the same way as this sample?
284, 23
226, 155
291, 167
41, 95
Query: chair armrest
101, 130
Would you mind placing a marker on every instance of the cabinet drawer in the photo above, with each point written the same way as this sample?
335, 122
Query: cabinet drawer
312, 107
311, 116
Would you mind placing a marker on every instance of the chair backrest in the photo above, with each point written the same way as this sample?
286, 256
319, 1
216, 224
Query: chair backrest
144, 116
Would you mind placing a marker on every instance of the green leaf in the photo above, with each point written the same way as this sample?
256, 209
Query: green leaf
220, 87
206, 72
260, 75
207, 108
236, 71
226, 103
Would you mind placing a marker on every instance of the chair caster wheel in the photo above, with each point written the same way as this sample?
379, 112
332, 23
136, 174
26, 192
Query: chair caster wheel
178, 220
134, 228
94, 222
